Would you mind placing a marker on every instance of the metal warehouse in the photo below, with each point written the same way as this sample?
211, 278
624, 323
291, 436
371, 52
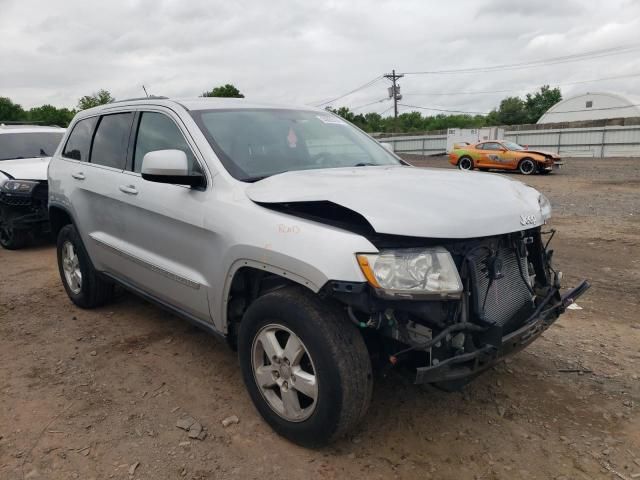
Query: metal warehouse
593, 106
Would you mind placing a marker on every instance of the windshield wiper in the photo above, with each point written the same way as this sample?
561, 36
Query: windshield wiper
255, 179
364, 164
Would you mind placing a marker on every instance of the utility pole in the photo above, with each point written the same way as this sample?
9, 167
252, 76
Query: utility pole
394, 92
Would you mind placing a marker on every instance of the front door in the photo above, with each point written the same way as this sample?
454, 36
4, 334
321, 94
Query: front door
164, 238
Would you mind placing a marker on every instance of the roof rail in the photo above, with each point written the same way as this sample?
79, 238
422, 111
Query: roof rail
150, 97
24, 122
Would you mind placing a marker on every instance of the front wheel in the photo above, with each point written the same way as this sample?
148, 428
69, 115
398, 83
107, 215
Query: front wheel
305, 366
465, 163
527, 166
11, 238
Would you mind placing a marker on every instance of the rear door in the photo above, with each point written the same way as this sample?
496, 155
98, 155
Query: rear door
164, 246
98, 149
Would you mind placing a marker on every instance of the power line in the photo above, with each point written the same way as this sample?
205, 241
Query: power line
524, 88
593, 109
368, 84
443, 110
546, 113
368, 104
537, 63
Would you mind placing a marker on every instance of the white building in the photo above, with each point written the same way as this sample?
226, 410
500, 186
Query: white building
593, 106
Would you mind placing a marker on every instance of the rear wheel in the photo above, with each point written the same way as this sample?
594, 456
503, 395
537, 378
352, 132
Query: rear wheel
527, 166
305, 366
465, 163
82, 283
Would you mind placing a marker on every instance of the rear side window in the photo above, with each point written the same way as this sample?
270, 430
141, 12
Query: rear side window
158, 132
111, 140
79, 142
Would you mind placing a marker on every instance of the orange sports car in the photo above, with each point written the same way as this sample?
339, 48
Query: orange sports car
502, 155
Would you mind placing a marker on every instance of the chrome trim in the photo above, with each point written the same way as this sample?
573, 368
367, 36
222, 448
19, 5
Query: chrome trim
148, 265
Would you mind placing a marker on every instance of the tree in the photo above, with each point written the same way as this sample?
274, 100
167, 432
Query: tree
9, 111
100, 97
227, 90
511, 112
541, 101
50, 115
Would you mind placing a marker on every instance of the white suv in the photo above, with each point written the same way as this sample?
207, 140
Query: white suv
304, 242
25, 151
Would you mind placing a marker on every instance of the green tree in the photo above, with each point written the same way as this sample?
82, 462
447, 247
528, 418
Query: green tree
541, 101
9, 111
50, 115
100, 97
227, 90
510, 112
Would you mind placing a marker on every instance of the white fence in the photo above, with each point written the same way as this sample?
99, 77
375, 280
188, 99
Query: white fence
599, 142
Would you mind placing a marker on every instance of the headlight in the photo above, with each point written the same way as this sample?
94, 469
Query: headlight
412, 271
545, 207
18, 186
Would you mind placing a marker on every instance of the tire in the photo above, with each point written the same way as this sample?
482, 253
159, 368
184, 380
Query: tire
465, 163
527, 166
11, 238
333, 354
81, 281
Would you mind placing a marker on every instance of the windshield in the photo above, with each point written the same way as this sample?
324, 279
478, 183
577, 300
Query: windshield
28, 145
513, 146
257, 143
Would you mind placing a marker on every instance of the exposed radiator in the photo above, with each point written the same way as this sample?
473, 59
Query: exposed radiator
505, 296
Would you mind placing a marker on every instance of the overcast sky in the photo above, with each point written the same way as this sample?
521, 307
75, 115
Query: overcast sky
310, 51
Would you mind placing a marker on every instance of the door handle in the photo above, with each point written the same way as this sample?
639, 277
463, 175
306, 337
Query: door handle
129, 189
78, 176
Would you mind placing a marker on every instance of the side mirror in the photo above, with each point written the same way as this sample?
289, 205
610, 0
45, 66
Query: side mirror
503, 150
387, 145
169, 166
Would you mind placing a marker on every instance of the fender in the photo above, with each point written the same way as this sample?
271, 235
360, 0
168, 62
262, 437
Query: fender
246, 262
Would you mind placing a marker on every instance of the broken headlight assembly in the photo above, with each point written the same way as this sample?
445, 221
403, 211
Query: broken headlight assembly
23, 187
545, 207
412, 272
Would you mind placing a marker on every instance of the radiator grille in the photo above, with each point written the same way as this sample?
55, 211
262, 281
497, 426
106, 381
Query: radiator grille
505, 296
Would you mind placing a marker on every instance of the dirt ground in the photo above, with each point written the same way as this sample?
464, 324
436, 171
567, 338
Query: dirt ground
96, 394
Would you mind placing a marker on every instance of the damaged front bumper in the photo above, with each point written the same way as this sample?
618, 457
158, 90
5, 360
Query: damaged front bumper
468, 365
24, 211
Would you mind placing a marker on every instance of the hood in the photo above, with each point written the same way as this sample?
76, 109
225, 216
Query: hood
26, 168
543, 152
409, 201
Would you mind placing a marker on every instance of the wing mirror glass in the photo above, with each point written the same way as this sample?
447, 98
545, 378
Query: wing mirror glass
169, 166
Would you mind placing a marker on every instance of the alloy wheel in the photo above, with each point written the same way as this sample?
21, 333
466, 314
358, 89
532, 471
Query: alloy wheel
465, 164
284, 372
71, 267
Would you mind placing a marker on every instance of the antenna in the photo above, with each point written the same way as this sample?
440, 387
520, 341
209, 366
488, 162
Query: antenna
145, 91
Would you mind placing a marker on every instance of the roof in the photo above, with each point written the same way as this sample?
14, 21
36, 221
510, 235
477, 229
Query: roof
198, 103
604, 105
29, 129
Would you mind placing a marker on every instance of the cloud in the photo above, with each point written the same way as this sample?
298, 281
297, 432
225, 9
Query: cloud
298, 52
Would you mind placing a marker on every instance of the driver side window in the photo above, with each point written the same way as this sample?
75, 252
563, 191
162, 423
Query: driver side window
156, 131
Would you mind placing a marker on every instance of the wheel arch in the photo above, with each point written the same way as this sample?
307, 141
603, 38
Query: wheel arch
59, 216
246, 281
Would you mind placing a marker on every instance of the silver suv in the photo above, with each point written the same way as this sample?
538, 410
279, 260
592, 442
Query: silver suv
306, 244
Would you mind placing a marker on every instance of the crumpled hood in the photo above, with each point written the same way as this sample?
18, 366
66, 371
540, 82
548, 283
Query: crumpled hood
26, 168
418, 202
543, 152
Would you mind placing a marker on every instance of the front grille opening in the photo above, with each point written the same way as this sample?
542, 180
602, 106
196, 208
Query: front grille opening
500, 297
